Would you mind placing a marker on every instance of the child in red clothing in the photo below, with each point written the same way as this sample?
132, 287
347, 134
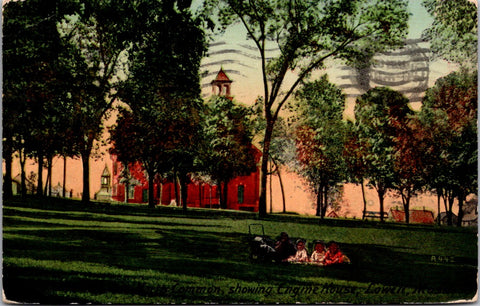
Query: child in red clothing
334, 255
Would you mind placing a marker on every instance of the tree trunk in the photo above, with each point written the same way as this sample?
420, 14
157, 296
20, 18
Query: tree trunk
127, 186
364, 200
325, 201
438, 208
64, 175
270, 187
461, 200
450, 212
381, 197
200, 194
175, 187
445, 204
262, 202
225, 195
22, 159
406, 208
282, 190
151, 200
40, 174
49, 175
86, 177
7, 180
160, 193
318, 212
126, 177
277, 169
183, 190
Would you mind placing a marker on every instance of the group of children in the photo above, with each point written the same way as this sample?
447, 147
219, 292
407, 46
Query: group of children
322, 254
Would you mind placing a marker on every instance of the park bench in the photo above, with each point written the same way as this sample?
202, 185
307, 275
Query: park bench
374, 214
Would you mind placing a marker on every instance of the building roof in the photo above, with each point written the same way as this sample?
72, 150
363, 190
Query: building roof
105, 171
416, 216
332, 214
222, 77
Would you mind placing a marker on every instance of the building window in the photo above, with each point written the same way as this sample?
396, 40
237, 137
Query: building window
145, 195
131, 191
105, 180
241, 194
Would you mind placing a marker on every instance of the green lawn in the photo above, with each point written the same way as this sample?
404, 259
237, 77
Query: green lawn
60, 251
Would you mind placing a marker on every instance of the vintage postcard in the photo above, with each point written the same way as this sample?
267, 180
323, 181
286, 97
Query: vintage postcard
226, 152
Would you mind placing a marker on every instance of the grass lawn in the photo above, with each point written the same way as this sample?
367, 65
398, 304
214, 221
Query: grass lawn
59, 251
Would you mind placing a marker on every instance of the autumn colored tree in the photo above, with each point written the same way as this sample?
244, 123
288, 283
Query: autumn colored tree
308, 33
378, 114
449, 119
320, 137
227, 150
408, 167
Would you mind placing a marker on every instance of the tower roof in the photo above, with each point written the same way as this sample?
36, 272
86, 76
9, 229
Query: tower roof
222, 77
105, 171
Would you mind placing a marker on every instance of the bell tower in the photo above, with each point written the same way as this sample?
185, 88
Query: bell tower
221, 86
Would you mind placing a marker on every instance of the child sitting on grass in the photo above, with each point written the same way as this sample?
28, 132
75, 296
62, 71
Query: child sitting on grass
334, 255
301, 254
319, 252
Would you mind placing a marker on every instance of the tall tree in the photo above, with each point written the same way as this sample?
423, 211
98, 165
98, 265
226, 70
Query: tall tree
34, 83
228, 150
98, 37
409, 145
449, 119
354, 157
453, 35
378, 112
163, 90
307, 33
321, 137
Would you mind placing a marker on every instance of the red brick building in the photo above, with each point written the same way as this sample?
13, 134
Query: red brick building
243, 191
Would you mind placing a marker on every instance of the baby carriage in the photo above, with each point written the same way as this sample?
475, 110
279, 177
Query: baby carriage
261, 246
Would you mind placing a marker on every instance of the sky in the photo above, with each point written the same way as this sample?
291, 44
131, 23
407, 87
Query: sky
238, 56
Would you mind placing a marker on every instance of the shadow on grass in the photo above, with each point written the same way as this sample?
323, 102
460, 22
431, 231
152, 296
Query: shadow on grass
156, 253
140, 210
47, 216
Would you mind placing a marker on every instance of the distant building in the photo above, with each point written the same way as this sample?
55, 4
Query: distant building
17, 185
416, 216
470, 211
332, 214
243, 191
444, 218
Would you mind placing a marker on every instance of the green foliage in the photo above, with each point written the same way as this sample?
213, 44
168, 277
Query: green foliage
378, 115
321, 137
307, 33
454, 33
162, 91
449, 119
36, 117
227, 149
